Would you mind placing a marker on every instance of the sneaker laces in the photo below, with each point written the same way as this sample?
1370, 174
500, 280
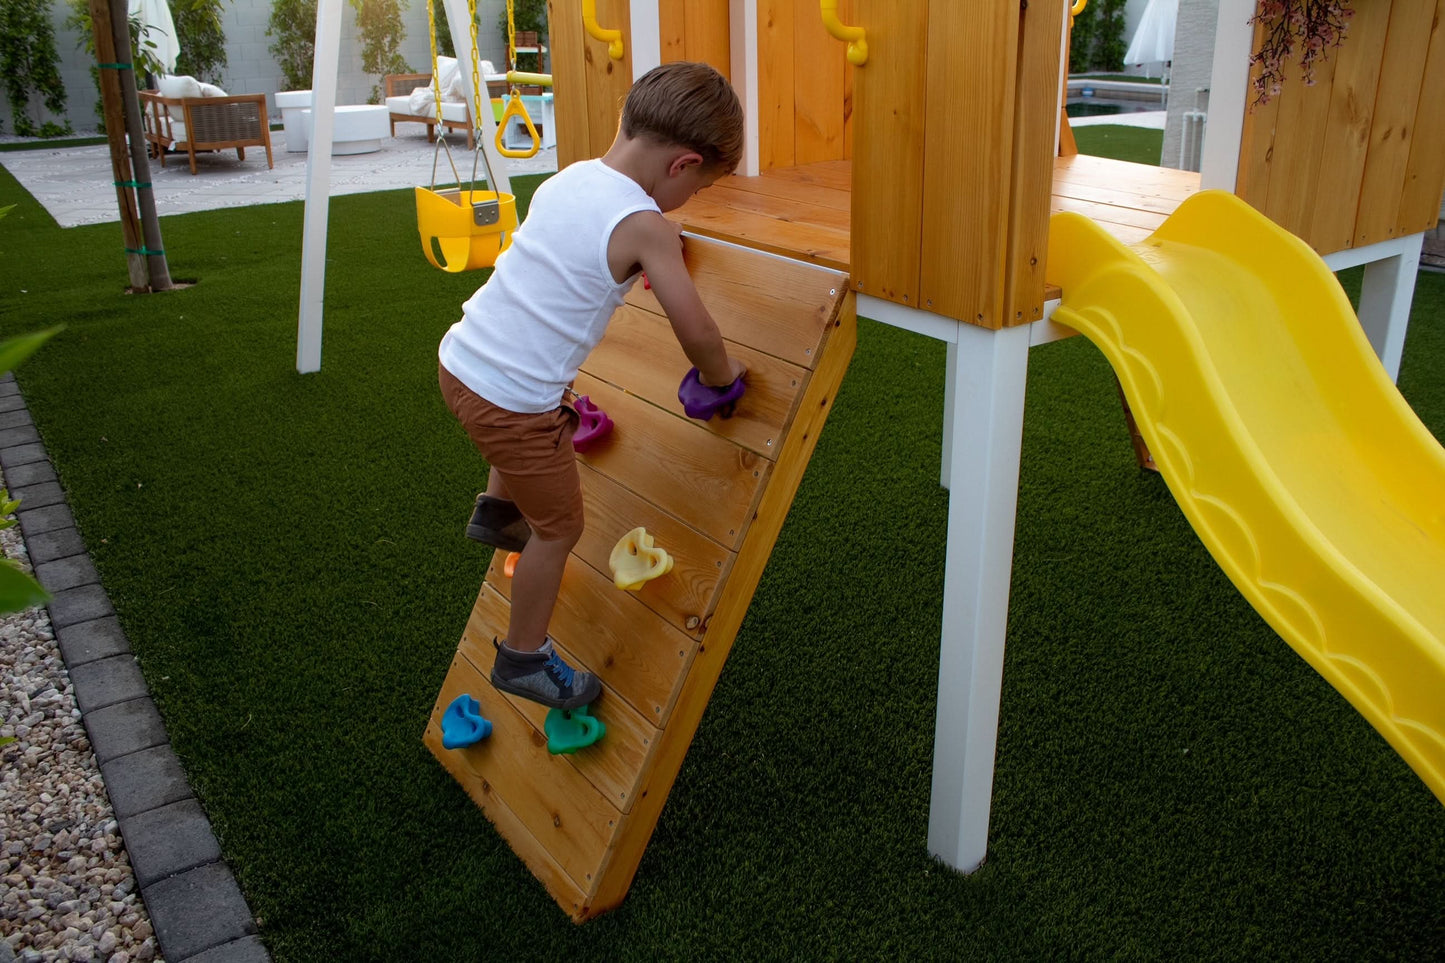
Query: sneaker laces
559, 671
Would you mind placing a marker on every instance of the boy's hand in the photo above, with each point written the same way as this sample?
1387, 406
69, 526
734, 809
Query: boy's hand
736, 370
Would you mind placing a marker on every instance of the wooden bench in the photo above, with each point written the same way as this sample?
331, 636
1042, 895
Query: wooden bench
194, 124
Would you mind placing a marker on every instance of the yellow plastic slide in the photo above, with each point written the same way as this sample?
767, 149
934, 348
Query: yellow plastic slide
1303, 470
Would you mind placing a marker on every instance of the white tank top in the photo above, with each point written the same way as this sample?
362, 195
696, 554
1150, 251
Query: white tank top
524, 333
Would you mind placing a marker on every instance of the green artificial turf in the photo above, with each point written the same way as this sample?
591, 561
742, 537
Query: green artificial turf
286, 555
1138, 144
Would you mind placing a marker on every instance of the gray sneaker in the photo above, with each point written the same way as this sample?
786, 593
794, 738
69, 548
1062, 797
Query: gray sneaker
498, 523
543, 677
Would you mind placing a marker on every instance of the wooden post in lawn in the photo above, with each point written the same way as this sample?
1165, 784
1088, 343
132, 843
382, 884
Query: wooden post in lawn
156, 266
110, 96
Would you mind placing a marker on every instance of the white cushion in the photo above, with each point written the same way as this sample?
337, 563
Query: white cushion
211, 90
178, 131
177, 86
182, 86
420, 104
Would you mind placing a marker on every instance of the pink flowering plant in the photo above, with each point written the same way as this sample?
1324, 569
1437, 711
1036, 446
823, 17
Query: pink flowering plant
1309, 26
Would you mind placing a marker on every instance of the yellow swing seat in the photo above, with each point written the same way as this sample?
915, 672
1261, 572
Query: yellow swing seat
461, 231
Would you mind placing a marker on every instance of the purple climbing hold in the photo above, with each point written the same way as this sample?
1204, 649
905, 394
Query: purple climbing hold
701, 401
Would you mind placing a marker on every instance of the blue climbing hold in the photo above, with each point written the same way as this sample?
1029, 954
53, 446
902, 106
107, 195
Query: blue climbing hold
462, 723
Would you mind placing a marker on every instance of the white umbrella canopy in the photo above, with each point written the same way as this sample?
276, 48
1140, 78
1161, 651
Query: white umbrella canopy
1154, 38
158, 31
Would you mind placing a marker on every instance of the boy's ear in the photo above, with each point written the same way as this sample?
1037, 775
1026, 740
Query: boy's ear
683, 161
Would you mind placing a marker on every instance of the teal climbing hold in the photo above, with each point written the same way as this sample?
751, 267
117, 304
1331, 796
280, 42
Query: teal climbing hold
571, 729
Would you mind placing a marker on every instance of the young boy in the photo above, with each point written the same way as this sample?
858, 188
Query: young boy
506, 365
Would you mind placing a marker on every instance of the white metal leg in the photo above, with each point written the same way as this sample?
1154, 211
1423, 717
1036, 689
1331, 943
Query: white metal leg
950, 373
1386, 292
986, 418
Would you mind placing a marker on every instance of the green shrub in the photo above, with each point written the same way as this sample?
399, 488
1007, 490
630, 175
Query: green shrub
29, 66
293, 25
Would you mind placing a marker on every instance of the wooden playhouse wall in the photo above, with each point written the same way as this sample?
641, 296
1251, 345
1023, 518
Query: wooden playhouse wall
1360, 156
805, 86
956, 223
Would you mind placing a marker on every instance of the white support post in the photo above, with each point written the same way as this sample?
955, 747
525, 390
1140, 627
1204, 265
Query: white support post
458, 21
950, 376
987, 426
1228, 95
743, 41
1386, 293
318, 186
645, 35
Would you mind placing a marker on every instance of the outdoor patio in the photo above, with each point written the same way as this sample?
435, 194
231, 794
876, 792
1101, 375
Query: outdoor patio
75, 183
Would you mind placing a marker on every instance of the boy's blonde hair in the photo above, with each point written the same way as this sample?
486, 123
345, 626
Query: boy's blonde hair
690, 105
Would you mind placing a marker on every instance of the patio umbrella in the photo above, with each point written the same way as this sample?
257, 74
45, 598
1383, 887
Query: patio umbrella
1154, 38
157, 29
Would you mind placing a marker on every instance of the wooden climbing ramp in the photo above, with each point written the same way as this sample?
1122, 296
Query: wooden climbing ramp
714, 495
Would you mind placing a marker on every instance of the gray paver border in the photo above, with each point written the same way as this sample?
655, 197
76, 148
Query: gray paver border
196, 907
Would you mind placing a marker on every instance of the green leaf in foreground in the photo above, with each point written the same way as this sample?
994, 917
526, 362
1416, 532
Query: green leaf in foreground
17, 349
18, 591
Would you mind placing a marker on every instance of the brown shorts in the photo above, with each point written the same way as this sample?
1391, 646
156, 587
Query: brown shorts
533, 453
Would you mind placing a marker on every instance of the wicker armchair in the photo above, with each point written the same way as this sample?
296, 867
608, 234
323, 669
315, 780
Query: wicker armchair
194, 124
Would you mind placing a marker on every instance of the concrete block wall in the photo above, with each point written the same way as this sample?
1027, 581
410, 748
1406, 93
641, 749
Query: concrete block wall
1192, 68
250, 69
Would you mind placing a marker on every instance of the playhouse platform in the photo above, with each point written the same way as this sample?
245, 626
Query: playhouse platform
803, 212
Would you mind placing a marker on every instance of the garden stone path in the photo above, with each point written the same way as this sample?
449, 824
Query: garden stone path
94, 806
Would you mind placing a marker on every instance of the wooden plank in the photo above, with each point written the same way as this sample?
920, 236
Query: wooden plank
707, 34
636, 828
967, 160
607, 80
613, 765
1256, 144
1108, 213
772, 304
780, 206
1298, 147
1425, 172
1041, 34
672, 29
677, 464
1154, 201
889, 94
818, 86
1127, 179
768, 185
1396, 104
569, 70
775, 84
554, 803
835, 174
823, 247
688, 594
641, 356
533, 852
1347, 135
641, 658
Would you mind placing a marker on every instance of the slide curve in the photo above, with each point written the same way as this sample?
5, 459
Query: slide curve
1303, 470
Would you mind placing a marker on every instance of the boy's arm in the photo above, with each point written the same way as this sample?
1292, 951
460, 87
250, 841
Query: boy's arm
657, 246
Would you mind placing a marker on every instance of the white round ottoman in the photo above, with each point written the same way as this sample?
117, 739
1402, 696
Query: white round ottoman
357, 129
291, 103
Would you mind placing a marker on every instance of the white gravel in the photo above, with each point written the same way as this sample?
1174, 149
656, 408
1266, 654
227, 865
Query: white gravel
66, 887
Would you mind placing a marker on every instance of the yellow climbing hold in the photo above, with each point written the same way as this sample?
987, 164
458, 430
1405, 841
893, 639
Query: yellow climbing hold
636, 561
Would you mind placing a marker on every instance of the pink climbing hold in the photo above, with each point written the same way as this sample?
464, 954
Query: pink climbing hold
594, 426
